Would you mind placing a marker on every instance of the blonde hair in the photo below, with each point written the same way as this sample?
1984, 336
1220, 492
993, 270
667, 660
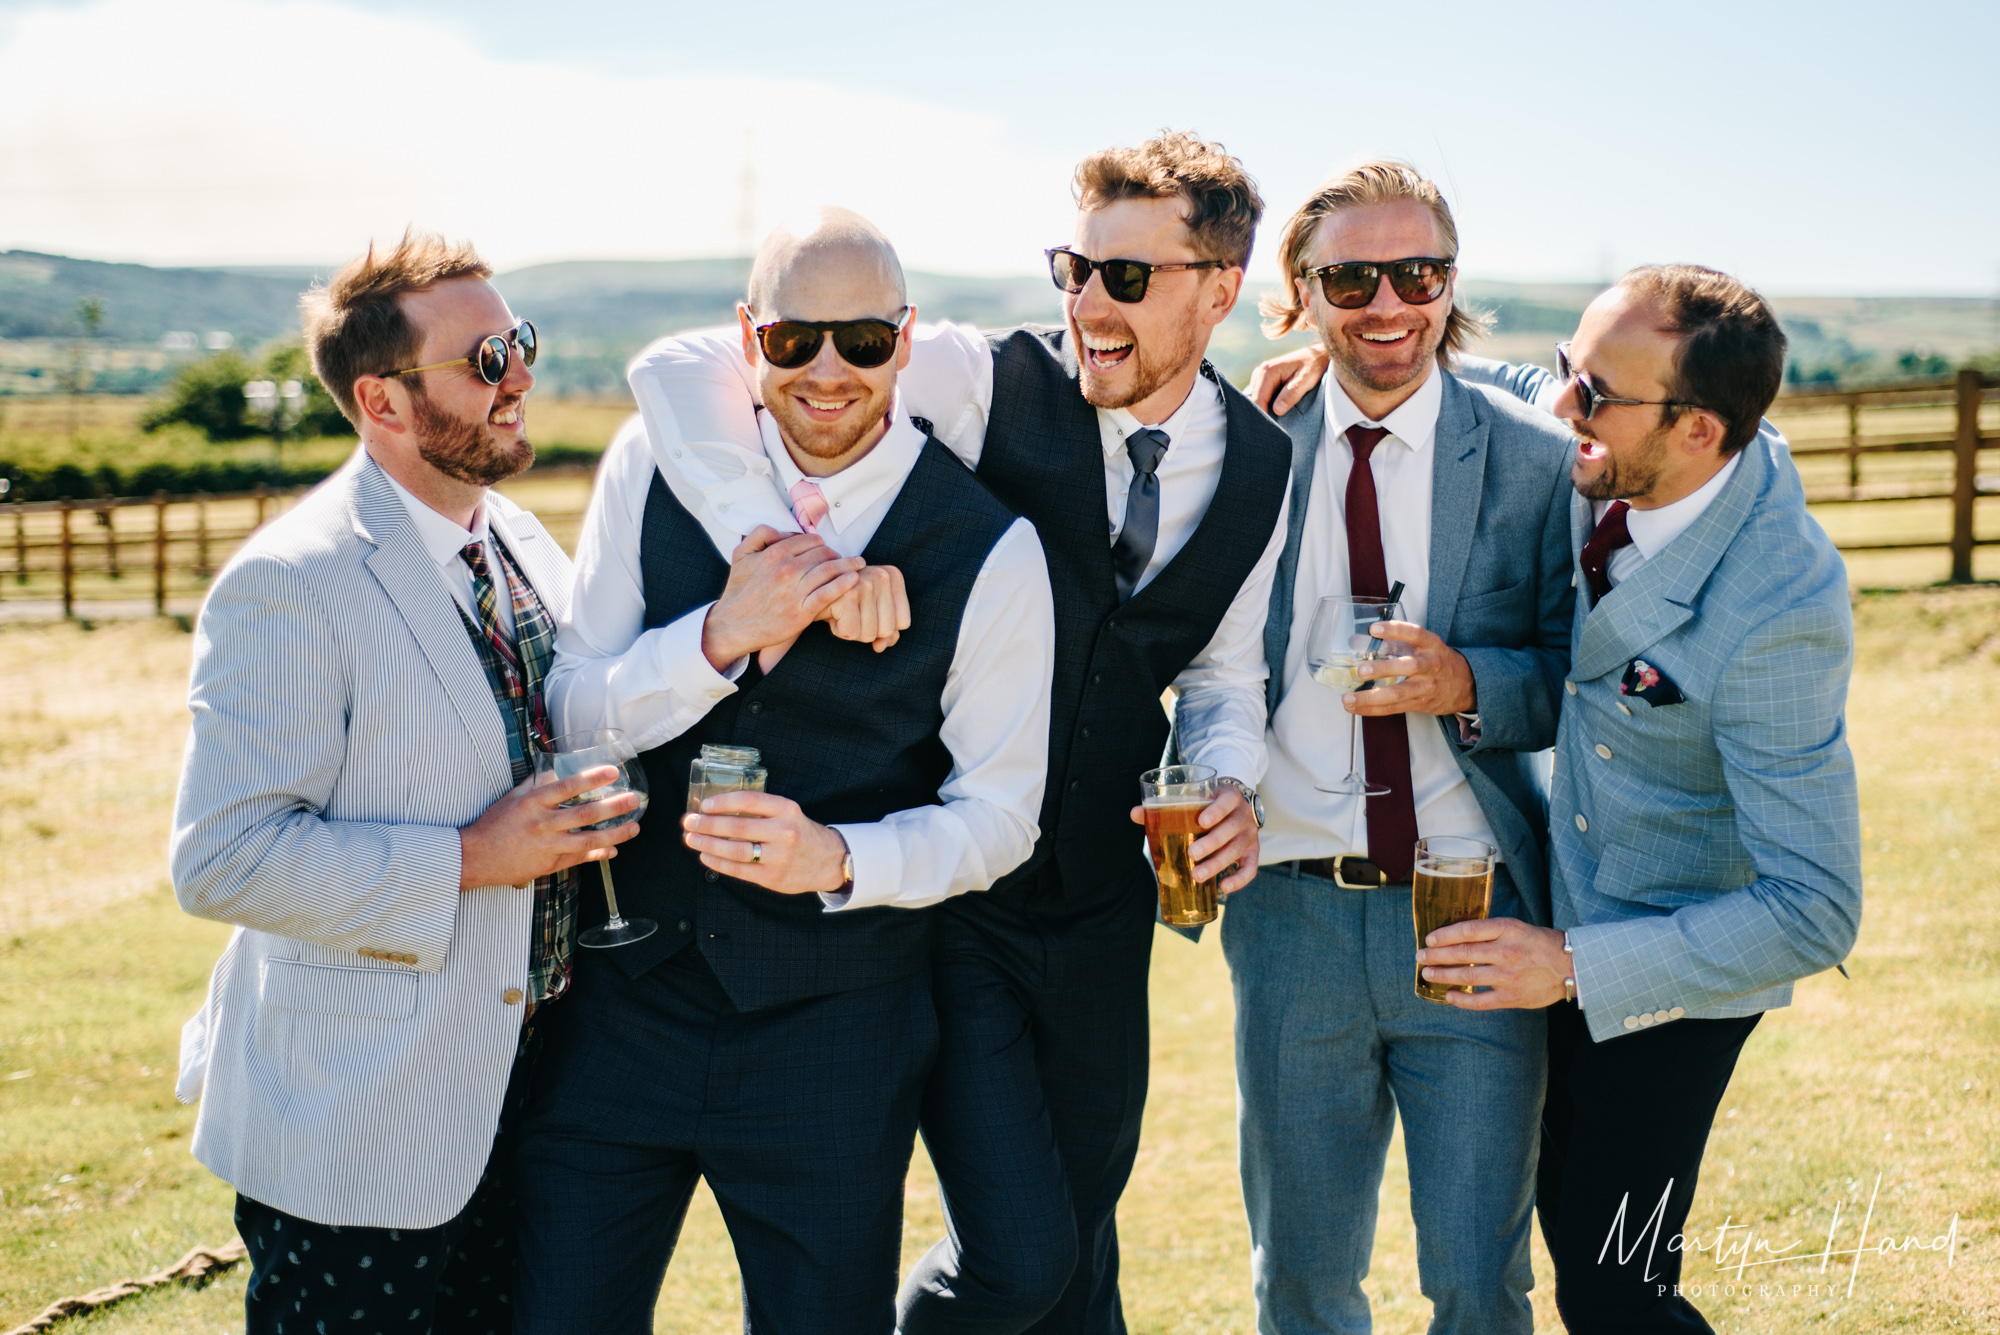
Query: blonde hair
1221, 205
354, 324
1375, 181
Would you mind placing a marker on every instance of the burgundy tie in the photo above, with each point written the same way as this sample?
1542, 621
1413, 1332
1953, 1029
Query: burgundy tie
1611, 534
1392, 819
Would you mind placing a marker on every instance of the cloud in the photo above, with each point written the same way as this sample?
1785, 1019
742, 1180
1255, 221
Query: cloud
223, 130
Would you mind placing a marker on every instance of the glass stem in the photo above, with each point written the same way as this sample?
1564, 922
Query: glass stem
610, 895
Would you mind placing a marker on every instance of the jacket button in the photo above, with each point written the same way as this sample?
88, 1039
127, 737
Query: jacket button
1570, 686
709, 875
1631, 1022
1603, 751
409, 959
682, 925
1649, 1019
756, 706
1086, 732
1075, 784
1096, 678
1677, 1012
1661, 1017
1582, 825
512, 996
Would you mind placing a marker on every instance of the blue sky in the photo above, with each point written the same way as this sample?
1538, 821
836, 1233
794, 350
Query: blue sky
1813, 149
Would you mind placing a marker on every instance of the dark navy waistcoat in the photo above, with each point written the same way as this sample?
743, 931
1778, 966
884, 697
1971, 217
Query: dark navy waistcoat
848, 734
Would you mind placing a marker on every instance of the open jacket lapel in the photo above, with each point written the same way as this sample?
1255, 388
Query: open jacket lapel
540, 559
1661, 594
406, 573
1458, 480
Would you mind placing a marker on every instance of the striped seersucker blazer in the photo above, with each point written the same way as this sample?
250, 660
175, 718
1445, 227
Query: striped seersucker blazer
357, 1036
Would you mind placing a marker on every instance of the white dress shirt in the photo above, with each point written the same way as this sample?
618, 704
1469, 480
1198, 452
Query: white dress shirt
1652, 530
611, 672
443, 540
1309, 734
695, 392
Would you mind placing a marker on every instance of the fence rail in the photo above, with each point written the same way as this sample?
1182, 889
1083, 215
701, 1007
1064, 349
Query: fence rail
1920, 440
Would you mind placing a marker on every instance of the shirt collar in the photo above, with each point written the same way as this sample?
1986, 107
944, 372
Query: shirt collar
1203, 398
442, 538
1414, 422
1652, 530
854, 488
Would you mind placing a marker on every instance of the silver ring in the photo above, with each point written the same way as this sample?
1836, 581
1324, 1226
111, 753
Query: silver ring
756, 852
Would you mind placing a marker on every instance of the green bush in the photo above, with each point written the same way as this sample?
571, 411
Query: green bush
208, 395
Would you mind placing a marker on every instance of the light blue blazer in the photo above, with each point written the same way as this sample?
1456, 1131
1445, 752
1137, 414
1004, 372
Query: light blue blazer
1707, 853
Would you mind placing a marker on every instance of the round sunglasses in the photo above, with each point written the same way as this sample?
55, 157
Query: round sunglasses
492, 355
1351, 285
1124, 280
1590, 398
862, 344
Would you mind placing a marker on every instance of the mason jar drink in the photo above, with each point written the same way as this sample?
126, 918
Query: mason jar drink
724, 769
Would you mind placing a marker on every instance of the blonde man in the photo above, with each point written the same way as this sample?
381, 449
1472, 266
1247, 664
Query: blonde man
367, 698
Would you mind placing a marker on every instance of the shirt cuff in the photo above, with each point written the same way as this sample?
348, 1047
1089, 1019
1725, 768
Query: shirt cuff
678, 657
878, 868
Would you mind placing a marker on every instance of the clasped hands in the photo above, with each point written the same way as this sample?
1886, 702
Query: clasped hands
778, 585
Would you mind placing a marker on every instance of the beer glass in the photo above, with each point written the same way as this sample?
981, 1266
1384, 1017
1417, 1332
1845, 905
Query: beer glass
1339, 641
1454, 883
1173, 801
573, 753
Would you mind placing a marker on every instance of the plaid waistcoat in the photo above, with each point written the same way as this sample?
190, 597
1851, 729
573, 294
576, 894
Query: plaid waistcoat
552, 929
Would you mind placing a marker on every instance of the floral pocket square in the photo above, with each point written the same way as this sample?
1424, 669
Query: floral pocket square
1648, 683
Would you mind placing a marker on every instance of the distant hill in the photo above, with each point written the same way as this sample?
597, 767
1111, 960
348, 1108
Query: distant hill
595, 313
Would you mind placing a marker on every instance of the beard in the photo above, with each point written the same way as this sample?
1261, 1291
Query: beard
466, 449
1634, 475
1380, 376
829, 440
1151, 367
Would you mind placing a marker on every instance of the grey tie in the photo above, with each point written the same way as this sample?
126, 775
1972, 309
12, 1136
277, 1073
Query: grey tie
1141, 532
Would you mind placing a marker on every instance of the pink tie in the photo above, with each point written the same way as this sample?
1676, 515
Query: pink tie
808, 505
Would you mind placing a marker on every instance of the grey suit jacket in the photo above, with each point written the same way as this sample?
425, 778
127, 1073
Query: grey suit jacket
1708, 852
343, 731
1500, 594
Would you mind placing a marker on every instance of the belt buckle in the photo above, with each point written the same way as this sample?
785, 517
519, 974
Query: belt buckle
1340, 873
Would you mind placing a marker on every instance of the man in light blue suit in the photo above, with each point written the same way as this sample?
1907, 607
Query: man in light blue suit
1705, 824
1402, 474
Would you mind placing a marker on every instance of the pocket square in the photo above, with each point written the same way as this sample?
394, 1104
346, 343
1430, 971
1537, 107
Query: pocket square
1648, 683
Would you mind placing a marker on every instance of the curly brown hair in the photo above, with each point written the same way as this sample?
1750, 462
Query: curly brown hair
354, 323
1221, 203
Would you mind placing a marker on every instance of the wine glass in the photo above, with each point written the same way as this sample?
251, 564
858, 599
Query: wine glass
572, 754
1341, 639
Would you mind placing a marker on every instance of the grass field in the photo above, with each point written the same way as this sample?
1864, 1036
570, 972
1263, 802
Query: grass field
1891, 1074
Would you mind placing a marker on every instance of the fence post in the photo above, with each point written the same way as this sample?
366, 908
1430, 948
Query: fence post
201, 534
1965, 480
159, 553
1854, 445
68, 565
263, 494
108, 515
20, 547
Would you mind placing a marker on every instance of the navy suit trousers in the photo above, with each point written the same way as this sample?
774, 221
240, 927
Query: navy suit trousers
801, 1117
1032, 1117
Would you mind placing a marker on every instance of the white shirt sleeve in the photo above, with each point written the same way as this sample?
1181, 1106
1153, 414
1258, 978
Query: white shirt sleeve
609, 670
1221, 711
698, 398
996, 726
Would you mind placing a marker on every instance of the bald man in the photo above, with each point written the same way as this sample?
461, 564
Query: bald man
774, 1034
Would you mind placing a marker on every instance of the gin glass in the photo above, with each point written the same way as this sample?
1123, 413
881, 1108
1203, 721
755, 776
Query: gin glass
572, 754
1340, 640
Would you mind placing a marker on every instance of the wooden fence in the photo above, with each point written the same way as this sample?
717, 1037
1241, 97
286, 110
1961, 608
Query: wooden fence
1920, 441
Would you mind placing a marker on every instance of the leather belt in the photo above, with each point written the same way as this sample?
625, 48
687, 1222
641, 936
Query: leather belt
1349, 871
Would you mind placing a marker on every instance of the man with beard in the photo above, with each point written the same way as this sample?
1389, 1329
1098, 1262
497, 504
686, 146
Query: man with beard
773, 1036
367, 699
1158, 493
1705, 819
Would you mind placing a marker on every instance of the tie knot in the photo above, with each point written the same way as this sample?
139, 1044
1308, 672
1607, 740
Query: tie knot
1147, 446
808, 504
474, 555
1612, 529
1364, 439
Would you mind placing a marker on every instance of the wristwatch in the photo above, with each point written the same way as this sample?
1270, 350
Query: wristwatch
1250, 796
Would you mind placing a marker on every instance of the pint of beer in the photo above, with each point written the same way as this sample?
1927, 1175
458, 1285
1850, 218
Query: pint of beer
1174, 798
1454, 883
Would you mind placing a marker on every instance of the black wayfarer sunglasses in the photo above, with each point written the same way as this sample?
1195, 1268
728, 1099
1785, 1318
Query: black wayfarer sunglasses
1124, 280
1353, 284
1590, 398
862, 344
492, 355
